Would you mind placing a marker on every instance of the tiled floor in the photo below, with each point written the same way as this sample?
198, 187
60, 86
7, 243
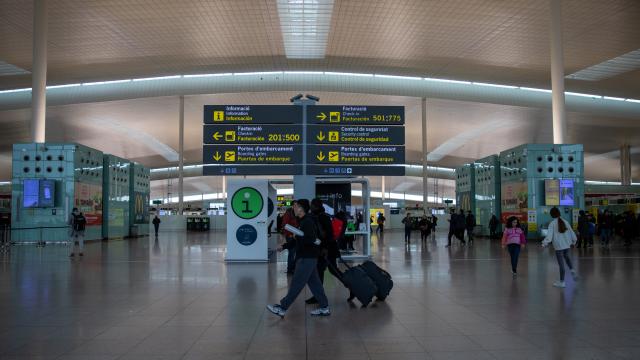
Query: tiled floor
177, 299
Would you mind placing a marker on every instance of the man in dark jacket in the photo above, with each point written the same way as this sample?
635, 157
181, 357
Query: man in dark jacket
329, 252
470, 223
583, 230
306, 272
493, 226
156, 224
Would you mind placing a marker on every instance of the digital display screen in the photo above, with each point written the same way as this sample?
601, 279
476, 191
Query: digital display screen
47, 193
559, 192
566, 193
38, 193
31, 193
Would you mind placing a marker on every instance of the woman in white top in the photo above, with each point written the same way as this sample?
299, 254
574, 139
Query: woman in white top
562, 237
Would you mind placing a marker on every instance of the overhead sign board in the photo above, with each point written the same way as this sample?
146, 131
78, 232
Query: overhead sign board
252, 134
355, 155
252, 114
355, 134
252, 154
355, 115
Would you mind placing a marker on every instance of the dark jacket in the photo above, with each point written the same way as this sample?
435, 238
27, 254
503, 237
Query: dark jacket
471, 221
583, 225
493, 223
156, 222
304, 245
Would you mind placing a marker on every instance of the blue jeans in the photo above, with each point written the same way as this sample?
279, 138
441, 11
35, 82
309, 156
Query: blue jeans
514, 252
605, 235
306, 274
563, 256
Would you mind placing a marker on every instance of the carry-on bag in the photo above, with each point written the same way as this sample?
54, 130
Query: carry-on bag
380, 277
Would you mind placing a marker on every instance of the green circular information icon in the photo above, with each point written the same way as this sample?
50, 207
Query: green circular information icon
247, 203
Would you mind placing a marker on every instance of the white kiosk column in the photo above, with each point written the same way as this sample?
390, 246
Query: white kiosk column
247, 220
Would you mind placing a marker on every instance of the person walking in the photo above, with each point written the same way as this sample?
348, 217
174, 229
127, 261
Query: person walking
628, 228
407, 228
156, 224
470, 224
380, 221
289, 218
514, 240
77, 224
453, 219
306, 272
583, 230
434, 224
329, 252
493, 226
425, 228
562, 237
606, 226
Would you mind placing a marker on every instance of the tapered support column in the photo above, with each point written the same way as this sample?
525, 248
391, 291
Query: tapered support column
39, 72
557, 74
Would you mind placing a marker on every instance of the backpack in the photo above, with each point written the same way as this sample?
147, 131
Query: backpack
79, 222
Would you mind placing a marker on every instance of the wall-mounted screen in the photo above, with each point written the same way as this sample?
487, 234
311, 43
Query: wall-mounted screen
38, 193
558, 192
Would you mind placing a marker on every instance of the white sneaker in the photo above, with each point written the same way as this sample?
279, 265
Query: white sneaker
560, 284
575, 275
323, 311
277, 309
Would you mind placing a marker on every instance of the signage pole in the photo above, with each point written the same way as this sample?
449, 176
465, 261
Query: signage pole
304, 186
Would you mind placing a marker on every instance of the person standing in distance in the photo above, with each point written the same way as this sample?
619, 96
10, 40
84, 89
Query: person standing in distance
156, 224
407, 228
513, 239
562, 237
77, 223
306, 272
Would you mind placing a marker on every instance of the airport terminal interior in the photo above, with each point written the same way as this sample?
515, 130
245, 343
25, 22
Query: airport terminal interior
319, 179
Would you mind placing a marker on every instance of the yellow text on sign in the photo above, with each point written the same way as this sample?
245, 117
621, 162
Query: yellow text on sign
334, 156
229, 136
218, 116
334, 136
229, 156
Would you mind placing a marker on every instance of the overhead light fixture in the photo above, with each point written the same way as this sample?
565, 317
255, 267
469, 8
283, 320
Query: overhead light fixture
449, 81
207, 75
397, 77
62, 86
305, 26
158, 78
312, 97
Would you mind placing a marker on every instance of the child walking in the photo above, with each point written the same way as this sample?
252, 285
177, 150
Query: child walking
562, 237
513, 239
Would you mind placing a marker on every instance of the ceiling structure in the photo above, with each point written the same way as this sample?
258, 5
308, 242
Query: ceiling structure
503, 42
480, 40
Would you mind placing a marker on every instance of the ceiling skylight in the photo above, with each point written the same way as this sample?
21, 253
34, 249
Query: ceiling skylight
8, 69
305, 27
610, 68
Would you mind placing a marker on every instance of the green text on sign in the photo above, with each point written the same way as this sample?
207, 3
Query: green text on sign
247, 203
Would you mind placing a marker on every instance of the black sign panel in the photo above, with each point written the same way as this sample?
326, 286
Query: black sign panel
355, 134
252, 154
251, 170
355, 155
252, 114
252, 134
355, 115
356, 170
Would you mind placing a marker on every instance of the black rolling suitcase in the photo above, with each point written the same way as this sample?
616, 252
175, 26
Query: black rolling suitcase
380, 277
360, 285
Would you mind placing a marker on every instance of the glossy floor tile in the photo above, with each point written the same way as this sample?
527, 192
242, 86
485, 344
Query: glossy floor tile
176, 298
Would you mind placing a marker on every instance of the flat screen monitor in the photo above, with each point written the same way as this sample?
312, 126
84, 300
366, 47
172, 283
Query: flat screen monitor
31, 193
566, 192
38, 193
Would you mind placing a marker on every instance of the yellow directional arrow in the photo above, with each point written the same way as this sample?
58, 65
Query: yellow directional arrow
320, 136
217, 156
320, 156
217, 136
322, 116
